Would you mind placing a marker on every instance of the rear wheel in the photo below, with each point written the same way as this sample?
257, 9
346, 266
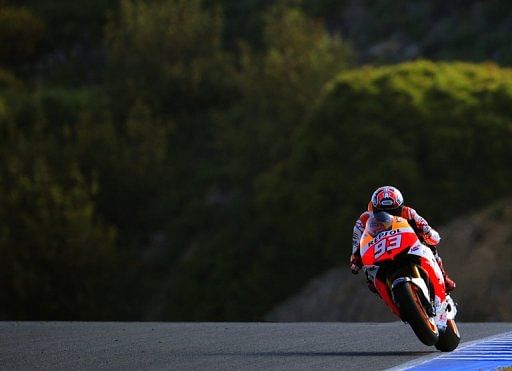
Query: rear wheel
414, 313
449, 339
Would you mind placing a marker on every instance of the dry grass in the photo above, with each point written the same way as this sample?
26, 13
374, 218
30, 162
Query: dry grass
477, 251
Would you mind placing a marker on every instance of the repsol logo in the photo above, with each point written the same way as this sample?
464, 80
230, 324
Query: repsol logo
381, 235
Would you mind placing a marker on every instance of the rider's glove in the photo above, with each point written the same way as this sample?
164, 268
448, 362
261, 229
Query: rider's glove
430, 236
355, 264
427, 231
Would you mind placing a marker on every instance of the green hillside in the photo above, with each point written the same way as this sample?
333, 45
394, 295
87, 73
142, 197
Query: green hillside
437, 131
202, 159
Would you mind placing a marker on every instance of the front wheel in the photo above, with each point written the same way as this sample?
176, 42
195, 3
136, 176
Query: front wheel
449, 339
414, 313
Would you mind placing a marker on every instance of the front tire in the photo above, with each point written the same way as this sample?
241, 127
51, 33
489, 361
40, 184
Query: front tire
450, 338
414, 313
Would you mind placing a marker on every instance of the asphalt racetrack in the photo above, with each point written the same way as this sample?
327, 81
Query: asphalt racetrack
217, 346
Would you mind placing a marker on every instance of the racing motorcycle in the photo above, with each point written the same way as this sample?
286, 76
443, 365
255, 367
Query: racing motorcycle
407, 277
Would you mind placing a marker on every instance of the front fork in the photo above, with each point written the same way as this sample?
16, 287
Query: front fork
416, 280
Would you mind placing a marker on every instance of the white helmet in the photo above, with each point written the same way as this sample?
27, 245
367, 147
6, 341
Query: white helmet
387, 198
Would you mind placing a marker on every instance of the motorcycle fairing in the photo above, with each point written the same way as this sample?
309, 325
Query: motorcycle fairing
384, 293
429, 264
446, 311
387, 244
379, 248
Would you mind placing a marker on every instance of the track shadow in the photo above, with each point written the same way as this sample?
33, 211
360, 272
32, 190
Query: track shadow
322, 354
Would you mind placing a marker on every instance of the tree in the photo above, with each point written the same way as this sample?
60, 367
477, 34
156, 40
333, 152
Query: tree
58, 260
235, 256
425, 127
21, 32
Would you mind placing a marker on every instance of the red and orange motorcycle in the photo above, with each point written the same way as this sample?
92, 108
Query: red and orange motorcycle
407, 277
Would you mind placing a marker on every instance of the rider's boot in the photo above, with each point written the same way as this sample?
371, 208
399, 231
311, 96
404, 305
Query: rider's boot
448, 282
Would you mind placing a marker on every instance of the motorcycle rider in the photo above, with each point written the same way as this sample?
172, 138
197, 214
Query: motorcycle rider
390, 200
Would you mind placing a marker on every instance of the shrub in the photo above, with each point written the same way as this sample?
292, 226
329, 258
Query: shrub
57, 258
20, 34
438, 131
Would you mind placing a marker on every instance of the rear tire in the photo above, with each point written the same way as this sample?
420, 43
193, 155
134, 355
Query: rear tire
450, 338
414, 313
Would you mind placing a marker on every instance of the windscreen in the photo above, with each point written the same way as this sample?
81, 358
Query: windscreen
379, 222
